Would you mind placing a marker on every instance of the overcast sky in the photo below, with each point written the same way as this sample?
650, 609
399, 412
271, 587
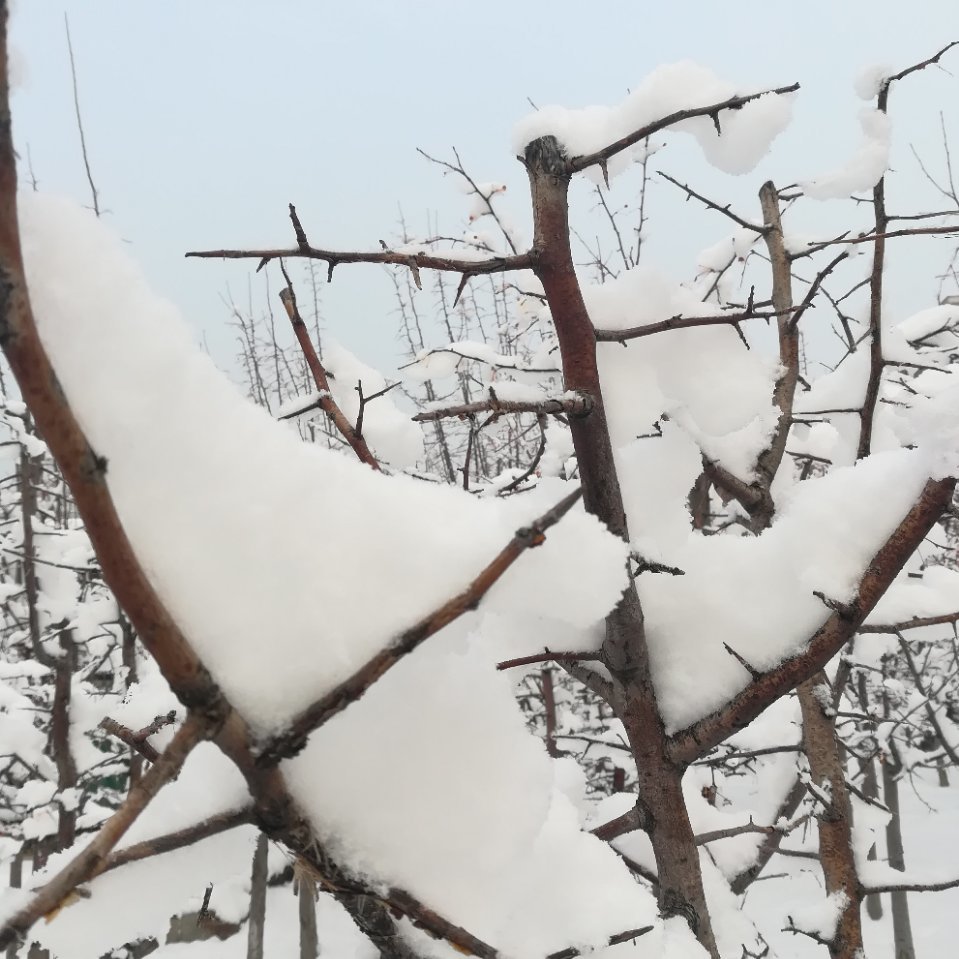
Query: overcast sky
204, 119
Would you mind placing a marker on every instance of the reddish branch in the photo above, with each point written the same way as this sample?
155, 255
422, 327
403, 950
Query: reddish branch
915, 623
169, 842
625, 648
712, 205
350, 690
833, 816
413, 261
689, 744
325, 399
548, 657
628, 822
877, 236
678, 322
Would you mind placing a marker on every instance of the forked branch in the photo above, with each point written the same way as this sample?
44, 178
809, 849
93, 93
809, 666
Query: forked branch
92, 861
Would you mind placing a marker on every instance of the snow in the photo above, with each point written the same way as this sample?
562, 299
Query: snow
302, 564
211, 459
528, 862
394, 439
870, 79
756, 593
680, 372
744, 140
929, 321
863, 170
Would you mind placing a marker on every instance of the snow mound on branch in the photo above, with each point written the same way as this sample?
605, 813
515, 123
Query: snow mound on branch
743, 141
756, 594
681, 372
465, 813
280, 560
864, 168
288, 565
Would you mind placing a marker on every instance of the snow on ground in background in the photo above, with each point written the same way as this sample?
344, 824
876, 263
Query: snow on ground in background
930, 815
336, 933
300, 560
745, 134
863, 170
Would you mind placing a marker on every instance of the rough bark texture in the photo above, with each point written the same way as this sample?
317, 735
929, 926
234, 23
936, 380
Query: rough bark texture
835, 824
661, 802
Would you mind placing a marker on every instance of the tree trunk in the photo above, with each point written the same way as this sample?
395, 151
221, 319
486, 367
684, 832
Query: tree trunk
901, 925
306, 896
870, 789
834, 817
625, 652
254, 948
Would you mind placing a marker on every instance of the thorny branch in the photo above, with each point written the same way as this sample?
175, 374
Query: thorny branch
350, 690
325, 399
713, 111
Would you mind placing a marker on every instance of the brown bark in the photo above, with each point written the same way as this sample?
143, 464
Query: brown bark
835, 823
663, 809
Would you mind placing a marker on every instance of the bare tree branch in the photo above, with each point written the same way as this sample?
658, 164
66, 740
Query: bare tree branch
415, 262
169, 842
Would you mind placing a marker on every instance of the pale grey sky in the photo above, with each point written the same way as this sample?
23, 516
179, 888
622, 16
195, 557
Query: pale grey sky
204, 119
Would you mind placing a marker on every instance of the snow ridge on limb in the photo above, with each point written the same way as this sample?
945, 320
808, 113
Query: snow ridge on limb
210, 713
293, 739
690, 743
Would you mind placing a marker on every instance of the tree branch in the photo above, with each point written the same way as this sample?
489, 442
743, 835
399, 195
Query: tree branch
915, 623
413, 261
91, 861
576, 405
575, 164
325, 400
694, 741
292, 740
172, 841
